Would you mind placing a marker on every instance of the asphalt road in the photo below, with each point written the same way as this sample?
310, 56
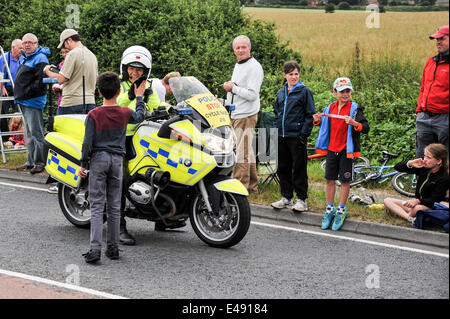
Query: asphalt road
271, 262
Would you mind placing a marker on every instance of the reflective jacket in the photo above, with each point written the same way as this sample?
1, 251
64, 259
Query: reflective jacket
124, 101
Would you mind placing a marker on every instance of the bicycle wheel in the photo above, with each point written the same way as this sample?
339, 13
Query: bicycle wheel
361, 174
358, 161
405, 184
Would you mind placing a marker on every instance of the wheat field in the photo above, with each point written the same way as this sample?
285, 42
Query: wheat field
329, 39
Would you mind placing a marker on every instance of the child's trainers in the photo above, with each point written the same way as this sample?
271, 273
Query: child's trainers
92, 256
112, 252
338, 221
328, 217
282, 203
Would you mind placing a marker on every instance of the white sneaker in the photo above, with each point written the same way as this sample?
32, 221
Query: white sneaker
282, 203
53, 189
300, 206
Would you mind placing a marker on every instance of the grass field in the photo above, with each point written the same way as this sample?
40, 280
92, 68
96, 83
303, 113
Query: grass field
329, 39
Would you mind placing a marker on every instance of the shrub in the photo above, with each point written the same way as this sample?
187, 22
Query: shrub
329, 8
343, 6
190, 36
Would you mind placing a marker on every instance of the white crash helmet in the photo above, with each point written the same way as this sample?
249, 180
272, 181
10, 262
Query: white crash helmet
136, 56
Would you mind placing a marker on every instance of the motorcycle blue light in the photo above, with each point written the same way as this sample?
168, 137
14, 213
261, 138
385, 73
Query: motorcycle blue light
184, 111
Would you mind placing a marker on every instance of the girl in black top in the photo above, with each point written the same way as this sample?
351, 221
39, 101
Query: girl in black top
432, 182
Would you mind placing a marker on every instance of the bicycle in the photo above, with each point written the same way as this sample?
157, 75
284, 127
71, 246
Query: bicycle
403, 183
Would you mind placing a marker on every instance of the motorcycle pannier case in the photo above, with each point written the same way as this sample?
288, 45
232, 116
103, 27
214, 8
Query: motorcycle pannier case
63, 149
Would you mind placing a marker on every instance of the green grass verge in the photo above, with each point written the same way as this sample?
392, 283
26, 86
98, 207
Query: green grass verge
14, 159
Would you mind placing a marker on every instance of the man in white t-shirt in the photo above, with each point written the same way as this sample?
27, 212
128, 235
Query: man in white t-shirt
243, 92
162, 87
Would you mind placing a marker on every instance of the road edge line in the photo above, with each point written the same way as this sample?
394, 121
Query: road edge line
60, 284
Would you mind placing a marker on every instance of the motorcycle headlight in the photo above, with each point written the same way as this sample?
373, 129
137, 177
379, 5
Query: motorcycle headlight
218, 144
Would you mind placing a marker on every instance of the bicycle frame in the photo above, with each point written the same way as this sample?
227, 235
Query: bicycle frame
379, 177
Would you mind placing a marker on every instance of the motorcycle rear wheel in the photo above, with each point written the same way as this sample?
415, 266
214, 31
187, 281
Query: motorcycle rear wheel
225, 230
73, 205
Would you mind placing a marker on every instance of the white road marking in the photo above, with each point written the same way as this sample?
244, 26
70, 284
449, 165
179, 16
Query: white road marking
353, 239
60, 284
23, 186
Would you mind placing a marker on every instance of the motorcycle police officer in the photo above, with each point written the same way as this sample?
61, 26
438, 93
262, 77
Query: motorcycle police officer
136, 63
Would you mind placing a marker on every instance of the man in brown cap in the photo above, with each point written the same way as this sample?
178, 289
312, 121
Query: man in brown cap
78, 75
433, 105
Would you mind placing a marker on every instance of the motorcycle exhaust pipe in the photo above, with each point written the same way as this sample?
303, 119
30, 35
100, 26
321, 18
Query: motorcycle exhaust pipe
82, 202
158, 178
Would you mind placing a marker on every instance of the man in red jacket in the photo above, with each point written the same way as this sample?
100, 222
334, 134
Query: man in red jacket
432, 109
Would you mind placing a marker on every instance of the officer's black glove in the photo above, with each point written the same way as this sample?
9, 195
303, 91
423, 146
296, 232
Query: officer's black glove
131, 94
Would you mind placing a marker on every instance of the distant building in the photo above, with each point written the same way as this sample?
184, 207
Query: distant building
442, 3
315, 3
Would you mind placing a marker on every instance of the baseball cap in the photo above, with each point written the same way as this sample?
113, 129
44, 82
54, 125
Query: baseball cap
342, 83
441, 31
64, 35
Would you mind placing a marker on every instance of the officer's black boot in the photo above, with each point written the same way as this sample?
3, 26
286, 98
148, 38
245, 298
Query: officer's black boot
125, 237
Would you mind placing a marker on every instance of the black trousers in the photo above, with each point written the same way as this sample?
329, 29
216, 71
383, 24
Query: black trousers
292, 167
6, 105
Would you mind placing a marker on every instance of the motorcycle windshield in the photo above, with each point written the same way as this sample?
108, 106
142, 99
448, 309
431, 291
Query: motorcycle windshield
188, 90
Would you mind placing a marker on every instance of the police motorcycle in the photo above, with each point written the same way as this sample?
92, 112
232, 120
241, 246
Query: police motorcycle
180, 167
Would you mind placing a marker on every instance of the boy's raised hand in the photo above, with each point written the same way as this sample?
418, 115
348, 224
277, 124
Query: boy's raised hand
139, 91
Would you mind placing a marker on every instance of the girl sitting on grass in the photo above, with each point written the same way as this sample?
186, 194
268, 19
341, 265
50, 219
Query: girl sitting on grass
432, 184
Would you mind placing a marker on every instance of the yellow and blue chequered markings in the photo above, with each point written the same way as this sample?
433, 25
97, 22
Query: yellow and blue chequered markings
165, 154
61, 169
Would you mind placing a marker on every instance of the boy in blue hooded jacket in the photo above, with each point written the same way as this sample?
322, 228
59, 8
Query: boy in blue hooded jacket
339, 138
294, 110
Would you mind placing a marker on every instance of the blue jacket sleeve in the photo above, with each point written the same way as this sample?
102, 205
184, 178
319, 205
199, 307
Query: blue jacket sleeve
139, 115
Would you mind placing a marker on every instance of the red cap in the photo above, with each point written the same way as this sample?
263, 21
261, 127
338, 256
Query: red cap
442, 31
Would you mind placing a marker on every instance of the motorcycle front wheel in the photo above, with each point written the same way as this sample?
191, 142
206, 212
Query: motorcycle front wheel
225, 229
75, 205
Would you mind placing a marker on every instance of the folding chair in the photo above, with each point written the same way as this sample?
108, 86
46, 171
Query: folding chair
265, 148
